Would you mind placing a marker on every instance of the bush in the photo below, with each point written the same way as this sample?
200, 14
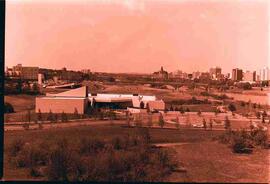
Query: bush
15, 147
232, 107
8, 108
243, 141
26, 126
90, 145
64, 117
260, 137
239, 145
161, 121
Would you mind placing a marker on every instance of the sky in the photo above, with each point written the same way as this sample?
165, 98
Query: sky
138, 36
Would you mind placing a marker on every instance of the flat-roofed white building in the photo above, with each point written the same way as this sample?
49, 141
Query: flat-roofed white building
80, 99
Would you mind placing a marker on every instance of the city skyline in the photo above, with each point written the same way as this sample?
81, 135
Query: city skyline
142, 35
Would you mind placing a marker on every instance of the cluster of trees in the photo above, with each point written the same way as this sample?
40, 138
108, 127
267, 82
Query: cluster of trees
20, 87
244, 141
193, 100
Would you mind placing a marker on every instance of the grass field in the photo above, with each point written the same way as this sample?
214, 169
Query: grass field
204, 159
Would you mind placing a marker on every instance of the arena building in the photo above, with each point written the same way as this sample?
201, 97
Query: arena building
80, 99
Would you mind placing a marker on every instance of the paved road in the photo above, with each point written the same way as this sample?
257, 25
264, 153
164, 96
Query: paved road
62, 124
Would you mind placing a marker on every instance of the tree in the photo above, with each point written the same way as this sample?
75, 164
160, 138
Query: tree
211, 124
171, 108
254, 106
227, 124
39, 115
28, 115
64, 117
204, 124
142, 105
76, 114
216, 111
264, 114
35, 88
55, 117
187, 109
199, 113
50, 116
148, 108
177, 123
182, 110
232, 107
258, 115
263, 119
161, 121
150, 120
127, 118
8, 108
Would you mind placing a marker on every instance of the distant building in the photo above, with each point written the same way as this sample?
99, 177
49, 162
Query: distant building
237, 74
196, 75
215, 73
249, 76
86, 71
23, 72
162, 74
205, 76
62, 74
264, 74
227, 76
40, 78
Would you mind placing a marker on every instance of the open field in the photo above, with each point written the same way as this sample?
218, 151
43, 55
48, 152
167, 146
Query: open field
214, 162
203, 159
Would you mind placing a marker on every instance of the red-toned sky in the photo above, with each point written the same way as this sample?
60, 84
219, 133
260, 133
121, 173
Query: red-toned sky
136, 35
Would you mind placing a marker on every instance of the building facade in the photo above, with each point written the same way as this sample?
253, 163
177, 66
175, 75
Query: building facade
249, 76
237, 74
215, 72
162, 74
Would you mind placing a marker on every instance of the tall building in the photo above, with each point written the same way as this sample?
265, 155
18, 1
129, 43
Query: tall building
264, 74
249, 76
215, 72
25, 72
237, 74
162, 74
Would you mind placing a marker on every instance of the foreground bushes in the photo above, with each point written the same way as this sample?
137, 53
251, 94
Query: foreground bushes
243, 141
8, 108
126, 158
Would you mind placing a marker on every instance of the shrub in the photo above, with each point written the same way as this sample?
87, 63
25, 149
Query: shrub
150, 121
227, 124
26, 126
161, 121
64, 117
76, 114
239, 145
30, 156
50, 116
8, 108
16, 146
260, 137
232, 107
39, 115
40, 126
60, 161
91, 145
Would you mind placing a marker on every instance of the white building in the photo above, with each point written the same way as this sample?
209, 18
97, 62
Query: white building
264, 74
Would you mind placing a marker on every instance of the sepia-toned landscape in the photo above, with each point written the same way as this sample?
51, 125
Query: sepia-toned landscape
125, 120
